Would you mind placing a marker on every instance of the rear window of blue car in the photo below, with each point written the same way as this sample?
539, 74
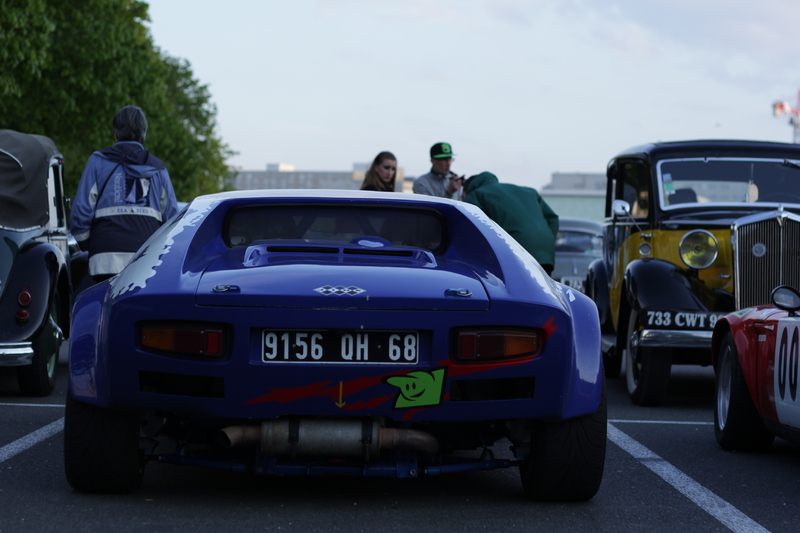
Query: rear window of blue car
415, 228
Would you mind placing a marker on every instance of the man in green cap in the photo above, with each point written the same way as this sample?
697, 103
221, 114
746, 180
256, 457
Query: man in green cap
518, 210
440, 181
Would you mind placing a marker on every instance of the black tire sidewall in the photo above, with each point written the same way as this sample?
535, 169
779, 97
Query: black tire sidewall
35, 379
101, 449
743, 429
650, 386
567, 457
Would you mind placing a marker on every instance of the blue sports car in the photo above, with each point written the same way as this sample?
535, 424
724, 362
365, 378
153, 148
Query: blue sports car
335, 332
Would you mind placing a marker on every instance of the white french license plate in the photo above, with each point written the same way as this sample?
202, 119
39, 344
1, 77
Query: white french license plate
324, 346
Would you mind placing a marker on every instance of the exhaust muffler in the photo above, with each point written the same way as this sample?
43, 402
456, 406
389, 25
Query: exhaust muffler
327, 437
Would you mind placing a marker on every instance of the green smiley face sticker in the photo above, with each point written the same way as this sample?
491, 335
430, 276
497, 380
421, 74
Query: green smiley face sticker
418, 389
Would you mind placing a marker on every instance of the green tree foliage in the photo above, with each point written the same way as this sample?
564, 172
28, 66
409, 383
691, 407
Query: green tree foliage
24, 31
182, 124
69, 66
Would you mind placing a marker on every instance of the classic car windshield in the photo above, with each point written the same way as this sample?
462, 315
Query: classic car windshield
728, 181
418, 228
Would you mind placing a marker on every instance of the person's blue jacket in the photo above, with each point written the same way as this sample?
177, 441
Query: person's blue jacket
124, 195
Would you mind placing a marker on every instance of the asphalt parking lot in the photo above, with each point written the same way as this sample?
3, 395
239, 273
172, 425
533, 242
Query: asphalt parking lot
664, 472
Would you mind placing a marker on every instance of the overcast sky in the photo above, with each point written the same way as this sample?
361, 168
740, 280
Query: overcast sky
519, 88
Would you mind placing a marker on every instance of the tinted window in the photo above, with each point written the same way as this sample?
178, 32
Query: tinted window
401, 227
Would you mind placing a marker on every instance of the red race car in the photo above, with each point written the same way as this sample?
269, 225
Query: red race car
756, 355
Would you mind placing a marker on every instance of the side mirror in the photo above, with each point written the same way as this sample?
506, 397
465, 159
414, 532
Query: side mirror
621, 208
786, 298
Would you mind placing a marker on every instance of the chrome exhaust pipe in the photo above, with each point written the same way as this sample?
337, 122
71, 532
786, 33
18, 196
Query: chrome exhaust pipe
409, 439
233, 436
321, 437
327, 437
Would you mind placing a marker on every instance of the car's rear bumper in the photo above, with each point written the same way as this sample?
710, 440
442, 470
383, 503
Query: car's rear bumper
236, 390
563, 380
16, 353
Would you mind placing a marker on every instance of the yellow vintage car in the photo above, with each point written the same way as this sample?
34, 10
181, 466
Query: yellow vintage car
693, 230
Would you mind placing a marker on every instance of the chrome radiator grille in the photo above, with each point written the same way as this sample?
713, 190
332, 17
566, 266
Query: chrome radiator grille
766, 251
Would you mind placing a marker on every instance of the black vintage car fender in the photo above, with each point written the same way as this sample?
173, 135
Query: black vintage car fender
597, 289
42, 267
659, 284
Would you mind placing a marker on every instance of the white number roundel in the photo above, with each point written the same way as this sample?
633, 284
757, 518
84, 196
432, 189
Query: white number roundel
787, 371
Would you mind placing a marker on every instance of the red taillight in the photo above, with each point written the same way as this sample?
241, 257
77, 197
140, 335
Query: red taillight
214, 342
493, 344
24, 298
184, 339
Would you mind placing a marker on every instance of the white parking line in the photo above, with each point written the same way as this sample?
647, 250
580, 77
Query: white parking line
61, 405
679, 422
20, 445
726, 513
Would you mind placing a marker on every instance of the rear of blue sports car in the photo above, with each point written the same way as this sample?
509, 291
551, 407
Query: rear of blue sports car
358, 334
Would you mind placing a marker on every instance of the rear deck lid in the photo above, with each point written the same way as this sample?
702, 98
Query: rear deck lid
358, 276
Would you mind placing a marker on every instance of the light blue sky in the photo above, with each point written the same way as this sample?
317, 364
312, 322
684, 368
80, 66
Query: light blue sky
520, 88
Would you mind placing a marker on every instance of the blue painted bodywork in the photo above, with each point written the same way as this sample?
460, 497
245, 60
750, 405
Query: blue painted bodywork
186, 272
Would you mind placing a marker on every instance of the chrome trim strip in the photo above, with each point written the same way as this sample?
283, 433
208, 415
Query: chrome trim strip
672, 338
16, 353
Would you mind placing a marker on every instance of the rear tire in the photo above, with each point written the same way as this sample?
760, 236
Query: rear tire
647, 369
101, 449
567, 457
737, 424
39, 377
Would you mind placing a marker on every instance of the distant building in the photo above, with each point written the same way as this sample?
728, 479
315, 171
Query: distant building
284, 176
408, 184
581, 195
575, 194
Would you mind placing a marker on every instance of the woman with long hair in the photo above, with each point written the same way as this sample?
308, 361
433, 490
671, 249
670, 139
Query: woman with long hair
381, 174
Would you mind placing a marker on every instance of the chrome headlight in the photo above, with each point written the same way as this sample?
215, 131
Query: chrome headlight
699, 249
